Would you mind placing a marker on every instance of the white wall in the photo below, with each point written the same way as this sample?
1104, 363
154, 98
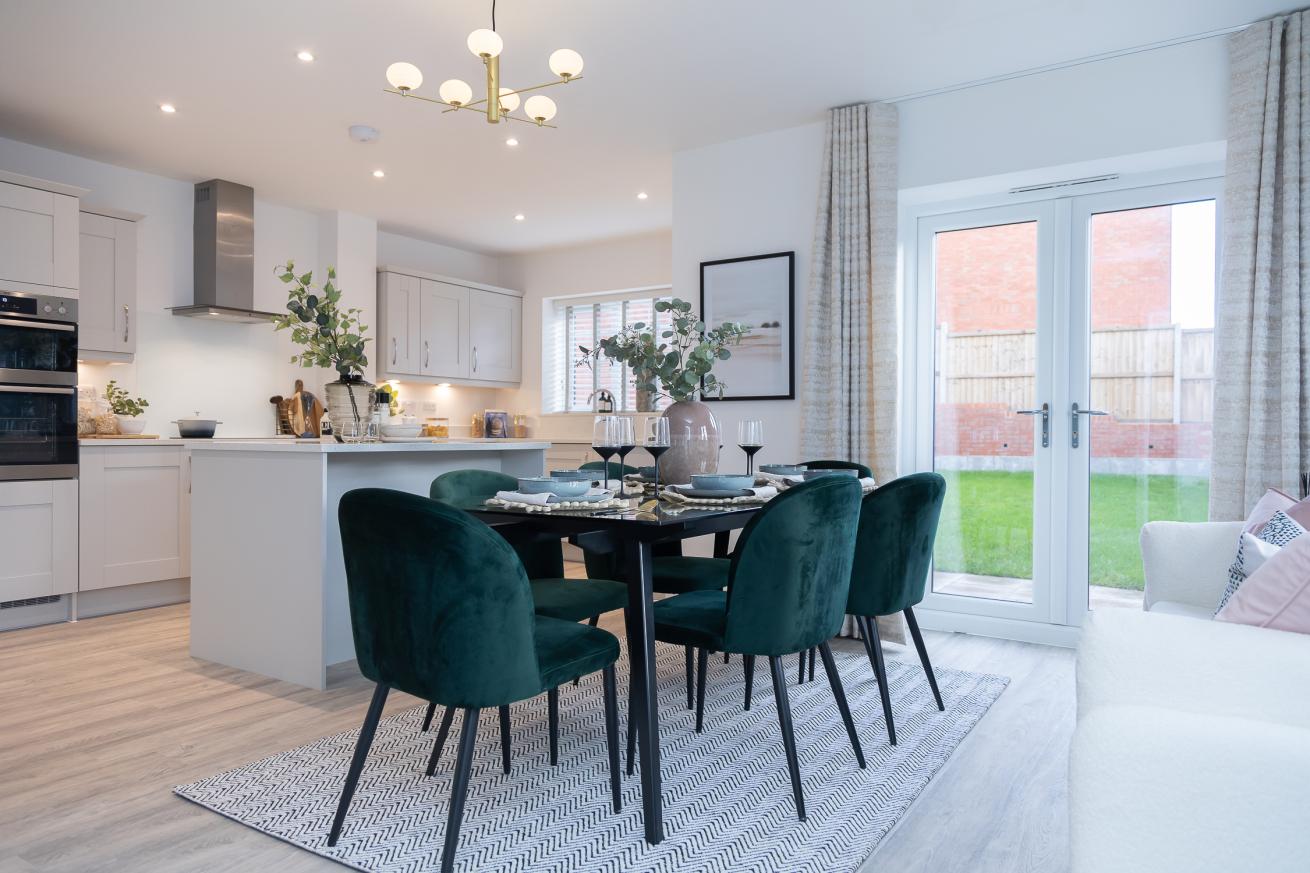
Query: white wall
759, 194
611, 265
429, 257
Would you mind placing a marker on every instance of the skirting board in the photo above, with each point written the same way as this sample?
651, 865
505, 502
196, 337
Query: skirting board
103, 601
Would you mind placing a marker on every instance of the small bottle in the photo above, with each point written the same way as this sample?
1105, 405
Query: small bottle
325, 427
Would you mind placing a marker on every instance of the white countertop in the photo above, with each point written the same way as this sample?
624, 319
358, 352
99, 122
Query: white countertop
324, 448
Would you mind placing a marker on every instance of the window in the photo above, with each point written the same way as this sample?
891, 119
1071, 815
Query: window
581, 321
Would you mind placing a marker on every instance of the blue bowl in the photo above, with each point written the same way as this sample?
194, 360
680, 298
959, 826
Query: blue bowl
783, 469
646, 472
815, 474
721, 482
565, 489
571, 474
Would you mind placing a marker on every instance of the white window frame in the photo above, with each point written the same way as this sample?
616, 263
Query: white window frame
559, 352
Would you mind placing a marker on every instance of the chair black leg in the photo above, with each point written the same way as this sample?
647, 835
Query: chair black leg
427, 717
552, 704
873, 646
593, 621
834, 680
702, 662
748, 666
446, 718
811, 665
788, 739
504, 738
612, 735
691, 685
362, 746
632, 729
800, 667
459, 788
726, 657
923, 655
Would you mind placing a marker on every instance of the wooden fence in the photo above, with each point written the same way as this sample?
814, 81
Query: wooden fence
1155, 374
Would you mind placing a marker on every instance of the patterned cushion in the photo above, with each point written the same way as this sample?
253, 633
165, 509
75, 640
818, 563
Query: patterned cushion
1280, 530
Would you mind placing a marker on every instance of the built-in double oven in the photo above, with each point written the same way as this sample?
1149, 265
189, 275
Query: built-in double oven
38, 386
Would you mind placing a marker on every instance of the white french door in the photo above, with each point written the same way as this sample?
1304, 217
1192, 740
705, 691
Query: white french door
1062, 366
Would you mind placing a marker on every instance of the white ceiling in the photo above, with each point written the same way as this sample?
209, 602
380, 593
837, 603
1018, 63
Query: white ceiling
87, 76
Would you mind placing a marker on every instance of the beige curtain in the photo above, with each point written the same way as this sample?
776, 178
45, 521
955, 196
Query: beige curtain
1262, 339
849, 394
851, 381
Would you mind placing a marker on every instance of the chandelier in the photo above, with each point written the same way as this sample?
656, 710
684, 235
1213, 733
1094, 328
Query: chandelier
500, 102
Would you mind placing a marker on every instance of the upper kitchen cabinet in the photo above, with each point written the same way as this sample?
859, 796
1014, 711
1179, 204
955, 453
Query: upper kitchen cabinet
436, 329
107, 308
38, 235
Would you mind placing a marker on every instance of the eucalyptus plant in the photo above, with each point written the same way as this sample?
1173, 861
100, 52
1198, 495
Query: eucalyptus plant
330, 336
123, 403
677, 364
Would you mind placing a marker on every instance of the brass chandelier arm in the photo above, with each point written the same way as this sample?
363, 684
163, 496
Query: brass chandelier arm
481, 100
450, 107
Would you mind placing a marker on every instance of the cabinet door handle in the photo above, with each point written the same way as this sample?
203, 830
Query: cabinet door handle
393, 351
475, 359
127, 321
188, 474
427, 355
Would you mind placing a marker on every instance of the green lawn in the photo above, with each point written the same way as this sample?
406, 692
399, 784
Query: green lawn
987, 525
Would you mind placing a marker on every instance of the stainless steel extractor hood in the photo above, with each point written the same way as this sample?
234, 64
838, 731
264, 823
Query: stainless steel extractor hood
224, 255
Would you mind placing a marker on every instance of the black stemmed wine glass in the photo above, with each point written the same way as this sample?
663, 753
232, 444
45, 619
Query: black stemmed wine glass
657, 443
604, 442
750, 439
627, 440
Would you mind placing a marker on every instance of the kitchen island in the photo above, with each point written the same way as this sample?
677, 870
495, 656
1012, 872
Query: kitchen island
268, 582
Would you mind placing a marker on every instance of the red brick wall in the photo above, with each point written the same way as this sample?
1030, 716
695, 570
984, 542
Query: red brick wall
992, 429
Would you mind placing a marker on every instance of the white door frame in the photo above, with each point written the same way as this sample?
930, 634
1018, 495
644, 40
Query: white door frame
1063, 608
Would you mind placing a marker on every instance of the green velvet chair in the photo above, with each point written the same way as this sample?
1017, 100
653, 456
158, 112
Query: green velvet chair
441, 608
788, 583
616, 469
893, 553
543, 559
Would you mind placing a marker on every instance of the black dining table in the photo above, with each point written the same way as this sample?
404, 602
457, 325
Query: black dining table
632, 534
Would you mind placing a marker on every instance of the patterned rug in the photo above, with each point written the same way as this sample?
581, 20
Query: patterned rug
727, 796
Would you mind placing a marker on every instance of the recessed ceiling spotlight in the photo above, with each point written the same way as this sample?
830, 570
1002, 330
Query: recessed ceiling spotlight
167, 108
641, 195
307, 57
511, 141
520, 217
378, 174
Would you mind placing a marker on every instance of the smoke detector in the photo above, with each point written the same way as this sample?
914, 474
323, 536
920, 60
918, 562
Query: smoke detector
364, 133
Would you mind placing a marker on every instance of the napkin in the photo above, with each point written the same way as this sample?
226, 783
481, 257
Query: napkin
519, 497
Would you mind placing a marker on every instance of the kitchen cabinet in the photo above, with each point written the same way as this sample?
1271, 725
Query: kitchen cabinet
107, 298
135, 513
441, 330
38, 236
38, 538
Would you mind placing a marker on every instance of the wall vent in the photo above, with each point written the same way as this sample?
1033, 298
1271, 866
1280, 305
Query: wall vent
1065, 183
30, 601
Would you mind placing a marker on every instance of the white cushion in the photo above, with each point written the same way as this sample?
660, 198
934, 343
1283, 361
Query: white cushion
1158, 791
1127, 657
1173, 607
1187, 562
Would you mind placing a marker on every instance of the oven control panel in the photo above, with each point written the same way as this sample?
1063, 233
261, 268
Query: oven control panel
38, 306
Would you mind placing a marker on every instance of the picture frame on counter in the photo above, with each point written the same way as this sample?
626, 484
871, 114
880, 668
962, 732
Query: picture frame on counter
760, 291
495, 424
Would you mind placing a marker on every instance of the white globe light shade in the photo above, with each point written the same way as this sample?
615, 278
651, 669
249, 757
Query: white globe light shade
509, 101
403, 76
539, 108
485, 43
456, 92
565, 63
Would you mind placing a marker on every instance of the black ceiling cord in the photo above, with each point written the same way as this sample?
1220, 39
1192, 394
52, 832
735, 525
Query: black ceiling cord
493, 14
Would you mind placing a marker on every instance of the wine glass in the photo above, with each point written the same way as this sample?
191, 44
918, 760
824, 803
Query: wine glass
627, 441
657, 443
604, 441
750, 439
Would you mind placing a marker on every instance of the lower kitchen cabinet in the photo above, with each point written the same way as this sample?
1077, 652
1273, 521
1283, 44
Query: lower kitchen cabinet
38, 538
135, 515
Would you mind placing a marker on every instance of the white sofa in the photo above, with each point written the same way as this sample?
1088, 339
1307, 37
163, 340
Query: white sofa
1192, 748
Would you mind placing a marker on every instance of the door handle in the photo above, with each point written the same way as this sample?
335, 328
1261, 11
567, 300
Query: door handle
393, 351
475, 359
427, 354
1074, 412
127, 321
1045, 413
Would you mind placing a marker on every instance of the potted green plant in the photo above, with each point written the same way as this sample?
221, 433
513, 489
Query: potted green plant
126, 408
677, 364
330, 336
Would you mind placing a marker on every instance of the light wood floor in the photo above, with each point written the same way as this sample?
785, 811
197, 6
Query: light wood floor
99, 719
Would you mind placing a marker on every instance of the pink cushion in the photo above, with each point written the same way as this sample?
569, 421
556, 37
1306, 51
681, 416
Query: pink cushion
1264, 509
1277, 595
